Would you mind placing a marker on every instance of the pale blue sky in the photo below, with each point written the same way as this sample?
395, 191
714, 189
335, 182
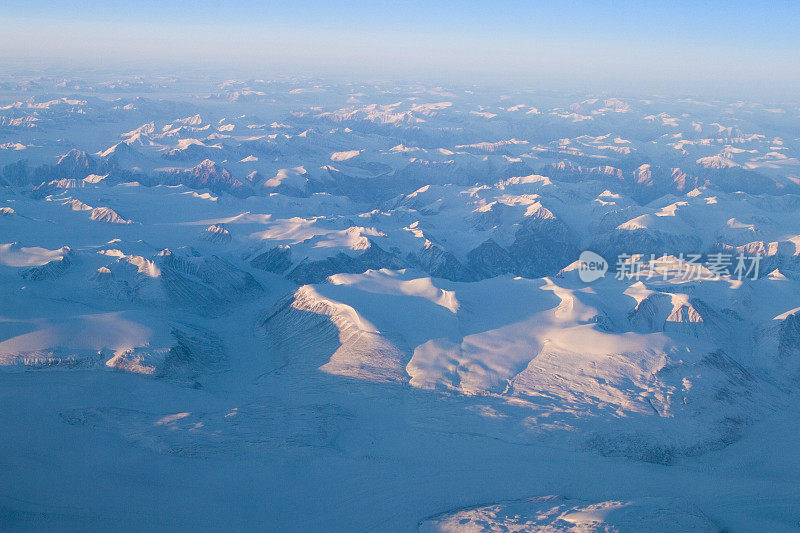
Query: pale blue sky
707, 43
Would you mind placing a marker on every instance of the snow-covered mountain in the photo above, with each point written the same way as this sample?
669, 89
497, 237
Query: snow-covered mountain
383, 282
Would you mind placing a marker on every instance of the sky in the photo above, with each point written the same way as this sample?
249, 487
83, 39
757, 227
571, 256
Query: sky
747, 46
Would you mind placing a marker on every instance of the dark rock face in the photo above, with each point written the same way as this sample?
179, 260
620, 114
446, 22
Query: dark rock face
196, 351
276, 260
75, 164
490, 259
542, 247
207, 284
789, 336
373, 257
217, 234
645, 242
441, 264
210, 175
52, 270
650, 314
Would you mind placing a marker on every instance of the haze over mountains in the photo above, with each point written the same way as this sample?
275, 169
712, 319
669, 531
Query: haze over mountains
381, 280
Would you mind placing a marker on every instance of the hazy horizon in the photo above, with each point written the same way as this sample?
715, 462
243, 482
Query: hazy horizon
709, 48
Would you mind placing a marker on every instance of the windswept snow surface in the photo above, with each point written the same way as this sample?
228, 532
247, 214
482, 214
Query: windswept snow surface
294, 305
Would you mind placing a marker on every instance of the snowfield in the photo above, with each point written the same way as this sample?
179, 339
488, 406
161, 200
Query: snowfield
295, 306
